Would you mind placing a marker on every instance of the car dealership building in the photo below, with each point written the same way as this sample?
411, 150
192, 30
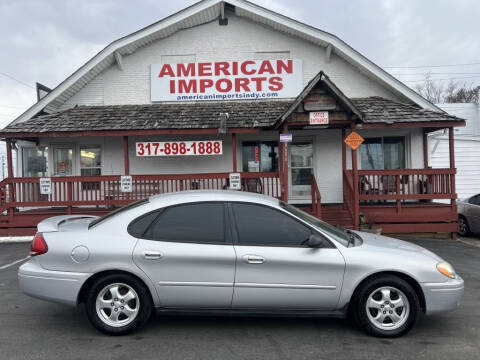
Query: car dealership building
227, 94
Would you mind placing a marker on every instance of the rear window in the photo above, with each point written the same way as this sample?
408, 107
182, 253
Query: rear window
118, 211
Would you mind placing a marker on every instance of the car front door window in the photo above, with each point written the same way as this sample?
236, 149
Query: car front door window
261, 225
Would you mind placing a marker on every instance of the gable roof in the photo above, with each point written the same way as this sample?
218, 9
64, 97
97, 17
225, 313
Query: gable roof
321, 77
206, 115
200, 13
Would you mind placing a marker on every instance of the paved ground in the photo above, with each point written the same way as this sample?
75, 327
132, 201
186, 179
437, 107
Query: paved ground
34, 329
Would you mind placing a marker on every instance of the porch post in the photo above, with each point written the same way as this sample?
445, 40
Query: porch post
344, 164
425, 149
451, 146
126, 160
356, 205
285, 166
234, 152
11, 189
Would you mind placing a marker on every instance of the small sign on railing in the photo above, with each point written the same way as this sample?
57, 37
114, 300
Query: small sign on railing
45, 186
126, 183
235, 181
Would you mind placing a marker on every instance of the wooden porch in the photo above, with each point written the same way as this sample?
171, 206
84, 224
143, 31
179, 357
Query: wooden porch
395, 200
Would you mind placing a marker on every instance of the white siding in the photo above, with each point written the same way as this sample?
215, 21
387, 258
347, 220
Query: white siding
467, 161
241, 39
467, 149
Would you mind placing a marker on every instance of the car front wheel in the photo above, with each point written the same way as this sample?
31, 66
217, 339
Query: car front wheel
118, 304
463, 229
386, 306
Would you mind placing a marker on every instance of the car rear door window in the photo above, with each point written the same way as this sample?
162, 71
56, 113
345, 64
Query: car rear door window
195, 222
262, 225
139, 226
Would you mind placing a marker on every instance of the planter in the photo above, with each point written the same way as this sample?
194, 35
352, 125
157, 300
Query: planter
377, 231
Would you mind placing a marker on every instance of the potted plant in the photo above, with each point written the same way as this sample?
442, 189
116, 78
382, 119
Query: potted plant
368, 224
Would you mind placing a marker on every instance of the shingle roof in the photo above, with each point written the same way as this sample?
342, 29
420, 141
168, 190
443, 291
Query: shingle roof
206, 114
376, 109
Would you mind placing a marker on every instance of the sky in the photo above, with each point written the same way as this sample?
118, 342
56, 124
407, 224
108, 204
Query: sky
45, 41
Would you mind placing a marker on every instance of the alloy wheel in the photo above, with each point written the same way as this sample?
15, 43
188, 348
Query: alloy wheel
387, 308
117, 304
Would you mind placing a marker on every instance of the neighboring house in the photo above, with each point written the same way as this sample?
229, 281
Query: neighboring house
467, 148
204, 93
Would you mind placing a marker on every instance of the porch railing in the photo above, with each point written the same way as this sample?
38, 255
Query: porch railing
406, 184
106, 190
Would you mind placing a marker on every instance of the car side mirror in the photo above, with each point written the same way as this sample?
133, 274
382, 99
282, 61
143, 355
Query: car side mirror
315, 241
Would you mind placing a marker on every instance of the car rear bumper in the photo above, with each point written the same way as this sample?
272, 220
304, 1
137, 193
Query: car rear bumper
442, 297
57, 286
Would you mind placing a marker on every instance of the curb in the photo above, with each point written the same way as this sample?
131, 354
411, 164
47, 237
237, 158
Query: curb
15, 239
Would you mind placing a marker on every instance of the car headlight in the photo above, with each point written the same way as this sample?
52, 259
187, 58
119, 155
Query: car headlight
446, 269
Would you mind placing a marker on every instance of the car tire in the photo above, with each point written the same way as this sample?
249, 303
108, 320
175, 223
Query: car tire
118, 304
463, 228
386, 306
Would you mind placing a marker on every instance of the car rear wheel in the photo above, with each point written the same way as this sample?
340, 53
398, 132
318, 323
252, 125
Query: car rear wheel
386, 306
118, 304
463, 228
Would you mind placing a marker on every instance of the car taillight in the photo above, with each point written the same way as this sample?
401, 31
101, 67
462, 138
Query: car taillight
39, 246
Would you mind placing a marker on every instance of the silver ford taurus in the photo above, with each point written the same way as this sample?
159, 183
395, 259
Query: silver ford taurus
232, 252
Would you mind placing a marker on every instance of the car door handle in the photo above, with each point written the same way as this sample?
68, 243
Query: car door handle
152, 255
254, 259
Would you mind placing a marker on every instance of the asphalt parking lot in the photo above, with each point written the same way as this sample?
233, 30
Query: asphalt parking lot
34, 329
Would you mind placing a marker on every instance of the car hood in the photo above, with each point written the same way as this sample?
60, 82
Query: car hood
388, 244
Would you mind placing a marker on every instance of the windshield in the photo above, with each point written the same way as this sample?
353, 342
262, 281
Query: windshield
117, 211
338, 234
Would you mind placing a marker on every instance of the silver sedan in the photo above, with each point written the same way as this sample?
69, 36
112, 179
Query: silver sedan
469, 215
232, 252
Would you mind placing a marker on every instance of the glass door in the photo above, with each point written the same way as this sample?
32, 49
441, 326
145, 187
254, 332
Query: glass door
301, 170
63, 160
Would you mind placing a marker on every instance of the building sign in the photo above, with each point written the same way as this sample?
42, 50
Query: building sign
319, 102
319, 118
226, 80
285, 138
45, 186
126, 183
354, 140
179, 148
235, 181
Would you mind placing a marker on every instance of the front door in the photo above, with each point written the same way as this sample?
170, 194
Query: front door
275, 269
301, 170
188, 255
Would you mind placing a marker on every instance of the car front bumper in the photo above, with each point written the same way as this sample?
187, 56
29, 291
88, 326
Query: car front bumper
442, 297
56, 286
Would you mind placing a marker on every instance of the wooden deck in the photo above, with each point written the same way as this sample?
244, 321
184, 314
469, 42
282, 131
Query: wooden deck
398, 201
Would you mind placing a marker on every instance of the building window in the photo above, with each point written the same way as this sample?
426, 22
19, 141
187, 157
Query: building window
35, 161
383, 153
260, 156
90, 161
